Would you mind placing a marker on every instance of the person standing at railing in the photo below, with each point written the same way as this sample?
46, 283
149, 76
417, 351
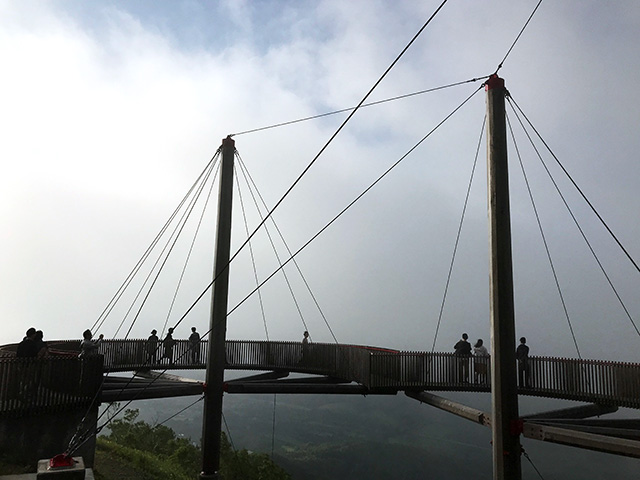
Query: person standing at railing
89, 346
41, 345
28, 347
480, 363
152, 347
167, 345
24, 382
522, 355
305, 347
194, 345
463, 354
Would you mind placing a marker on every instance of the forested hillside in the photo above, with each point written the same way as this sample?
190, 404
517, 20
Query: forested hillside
136, 449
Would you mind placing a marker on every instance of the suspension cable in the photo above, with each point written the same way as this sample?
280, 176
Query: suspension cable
181, 224
544, 238
253, 259
584, 197
249, 180
273, 426
179, 411
526, 455
168, 248
455, 247
308, 167
78, 440
200, 182
226, 426
184, 268
358, 197
518, 37
384, 174
399, 97
317, 156
575, 221
111, 304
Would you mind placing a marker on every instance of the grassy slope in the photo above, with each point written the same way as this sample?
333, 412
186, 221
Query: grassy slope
114, 462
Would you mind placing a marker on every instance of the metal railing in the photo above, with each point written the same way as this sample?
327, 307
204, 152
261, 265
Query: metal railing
39, 385
597, 381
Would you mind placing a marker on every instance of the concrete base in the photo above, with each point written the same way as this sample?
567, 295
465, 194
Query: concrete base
88, 475
73, 472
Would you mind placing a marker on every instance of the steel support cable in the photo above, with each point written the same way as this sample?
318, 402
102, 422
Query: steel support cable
195, 235
253, 258
179, 412
584, 197
455, 247
205, 173
168, 248
577, 224
273, 426
77, 441
116, 297
544, 238
370, 104
338, 130
357, 198
255, 274
226, 425
243, 170
183, 222
175, 235
315, 158
526, 455
99, 428
518, 37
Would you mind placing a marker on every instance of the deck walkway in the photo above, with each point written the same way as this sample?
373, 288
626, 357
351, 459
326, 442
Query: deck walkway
335, 368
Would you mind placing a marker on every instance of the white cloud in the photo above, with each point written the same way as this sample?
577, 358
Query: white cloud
107, 120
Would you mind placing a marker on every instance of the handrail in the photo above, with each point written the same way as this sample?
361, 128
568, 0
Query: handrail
50, 384
604, 382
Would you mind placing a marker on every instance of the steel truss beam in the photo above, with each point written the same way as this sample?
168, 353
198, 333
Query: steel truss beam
618, 437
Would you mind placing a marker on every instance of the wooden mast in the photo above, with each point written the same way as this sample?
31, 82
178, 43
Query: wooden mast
212, 418
506, 426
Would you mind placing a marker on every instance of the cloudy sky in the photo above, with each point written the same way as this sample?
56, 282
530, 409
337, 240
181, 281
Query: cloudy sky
110, 110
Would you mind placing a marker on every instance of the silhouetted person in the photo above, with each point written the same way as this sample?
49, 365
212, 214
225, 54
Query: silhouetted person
152, 347
88, 346
463, 352
26, 377
481, 361
167, 345
522, 355
194, 345
41, 345
305, 347
28, 348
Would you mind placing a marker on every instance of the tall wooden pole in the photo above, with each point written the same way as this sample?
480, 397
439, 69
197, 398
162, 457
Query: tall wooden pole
212, 419
504, 394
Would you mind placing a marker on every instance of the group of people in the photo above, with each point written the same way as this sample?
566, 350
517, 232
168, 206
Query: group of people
462, 351
32, 345
168, 343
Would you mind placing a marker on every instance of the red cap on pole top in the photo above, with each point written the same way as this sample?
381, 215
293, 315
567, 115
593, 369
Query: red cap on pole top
494, 82
228, 141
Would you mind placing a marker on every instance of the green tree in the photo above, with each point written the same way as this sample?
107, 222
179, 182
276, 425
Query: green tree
163, 442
